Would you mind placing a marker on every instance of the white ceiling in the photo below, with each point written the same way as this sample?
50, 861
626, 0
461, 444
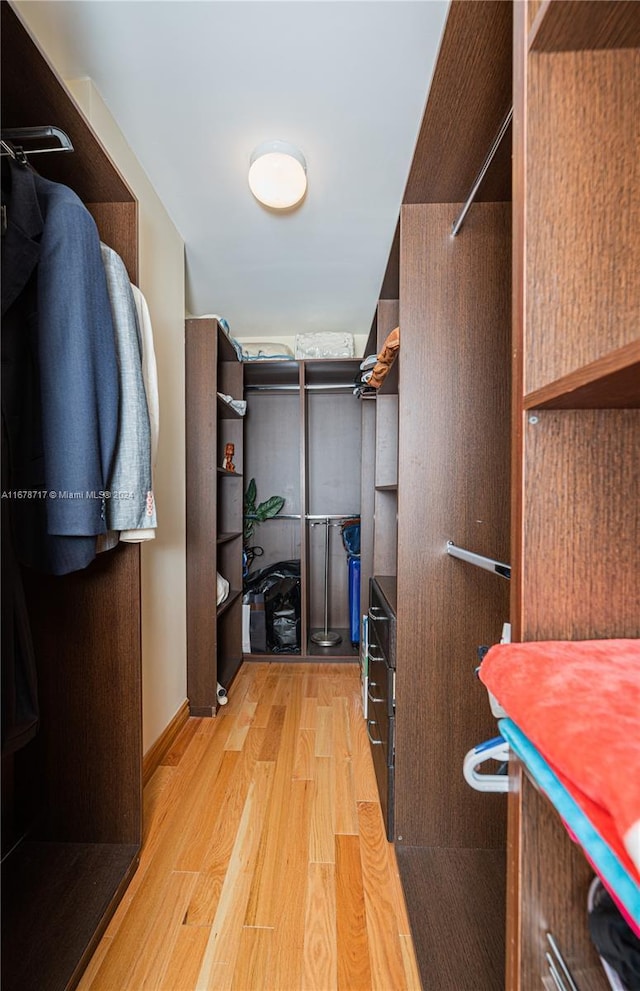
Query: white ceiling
195, 85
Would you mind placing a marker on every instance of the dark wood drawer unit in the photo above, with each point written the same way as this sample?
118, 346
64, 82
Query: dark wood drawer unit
381, 735
381, 691
382, 617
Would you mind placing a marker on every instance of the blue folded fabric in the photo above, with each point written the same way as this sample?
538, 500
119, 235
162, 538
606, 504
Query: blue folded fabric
604, 860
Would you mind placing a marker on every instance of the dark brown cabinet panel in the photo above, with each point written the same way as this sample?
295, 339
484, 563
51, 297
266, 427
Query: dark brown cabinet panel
72, 797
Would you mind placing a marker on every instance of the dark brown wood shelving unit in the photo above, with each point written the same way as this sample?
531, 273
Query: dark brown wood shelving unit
214, 513
72, 798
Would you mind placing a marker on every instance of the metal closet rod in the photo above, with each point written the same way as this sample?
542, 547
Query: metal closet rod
488, 563
19, 134
307, 516
482, 173
296, 388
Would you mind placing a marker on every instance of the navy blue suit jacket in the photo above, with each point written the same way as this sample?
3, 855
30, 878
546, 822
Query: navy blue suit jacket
59, 374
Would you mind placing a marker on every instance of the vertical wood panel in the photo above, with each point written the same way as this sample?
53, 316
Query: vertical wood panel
453, 485
581, 568
583, 195
201, 349
545, 842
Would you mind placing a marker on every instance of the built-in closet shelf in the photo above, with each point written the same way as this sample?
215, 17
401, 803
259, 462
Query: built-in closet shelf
575, 25
267, 372
229, 474
325, 371
56, 918
228, 602
612, 382
389, 385
226, 350
442, 887
391, 487
226, 411
224, 538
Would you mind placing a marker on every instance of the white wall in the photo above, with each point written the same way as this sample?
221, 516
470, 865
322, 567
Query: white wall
161, 279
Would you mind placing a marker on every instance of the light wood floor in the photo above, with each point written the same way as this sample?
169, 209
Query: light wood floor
265, 863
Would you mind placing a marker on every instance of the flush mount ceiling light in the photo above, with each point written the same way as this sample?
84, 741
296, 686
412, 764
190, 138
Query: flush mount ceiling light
277, 174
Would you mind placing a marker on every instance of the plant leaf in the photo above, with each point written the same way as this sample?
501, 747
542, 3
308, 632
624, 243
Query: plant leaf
269, 508
250, 498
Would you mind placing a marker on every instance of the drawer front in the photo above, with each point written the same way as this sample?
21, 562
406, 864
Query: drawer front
385, 775
380, 690
382, 624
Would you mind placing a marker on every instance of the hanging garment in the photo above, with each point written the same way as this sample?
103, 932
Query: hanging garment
59, 373
386, 358
131, 504
59, 411
150, 379
149, 369
20, 711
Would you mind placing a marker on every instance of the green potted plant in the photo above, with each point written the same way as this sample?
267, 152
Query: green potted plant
254, 515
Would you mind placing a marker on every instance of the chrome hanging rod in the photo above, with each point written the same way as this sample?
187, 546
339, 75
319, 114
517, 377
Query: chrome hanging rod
330, 516
296, 388
322, 517
13, 137
279, 516
481, 174
497, 567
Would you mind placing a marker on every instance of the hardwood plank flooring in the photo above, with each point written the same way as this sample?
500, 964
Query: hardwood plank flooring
265, 865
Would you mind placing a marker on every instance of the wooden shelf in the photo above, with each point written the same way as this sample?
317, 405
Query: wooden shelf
461, 891
224, 538
267, 372
580, 25
466, 108
228, 602
229, 474
226, 350
226, 410
52, 918
612, 382
391, 487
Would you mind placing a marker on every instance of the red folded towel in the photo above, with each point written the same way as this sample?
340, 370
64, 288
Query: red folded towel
579, 704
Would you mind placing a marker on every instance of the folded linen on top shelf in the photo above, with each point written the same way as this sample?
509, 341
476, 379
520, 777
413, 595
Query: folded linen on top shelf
578, 702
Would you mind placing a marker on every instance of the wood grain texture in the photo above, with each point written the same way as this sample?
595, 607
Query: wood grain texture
117, 224
581, 566
453, 485
33, 95
557, 906
612, 382
391, 282
52, 917
583, 201
575, 25
468, 100
466, 886
354, 967
367, 496
201, 349
231, 892
387, 964
320, 970
157, 753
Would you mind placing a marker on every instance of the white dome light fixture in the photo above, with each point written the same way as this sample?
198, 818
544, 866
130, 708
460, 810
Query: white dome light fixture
277, 174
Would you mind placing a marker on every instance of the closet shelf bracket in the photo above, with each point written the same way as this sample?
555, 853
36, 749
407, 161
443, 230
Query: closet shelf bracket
488, 563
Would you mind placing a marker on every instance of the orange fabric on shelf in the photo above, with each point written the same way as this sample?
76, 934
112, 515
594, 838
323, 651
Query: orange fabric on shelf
579, 704
386, 358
